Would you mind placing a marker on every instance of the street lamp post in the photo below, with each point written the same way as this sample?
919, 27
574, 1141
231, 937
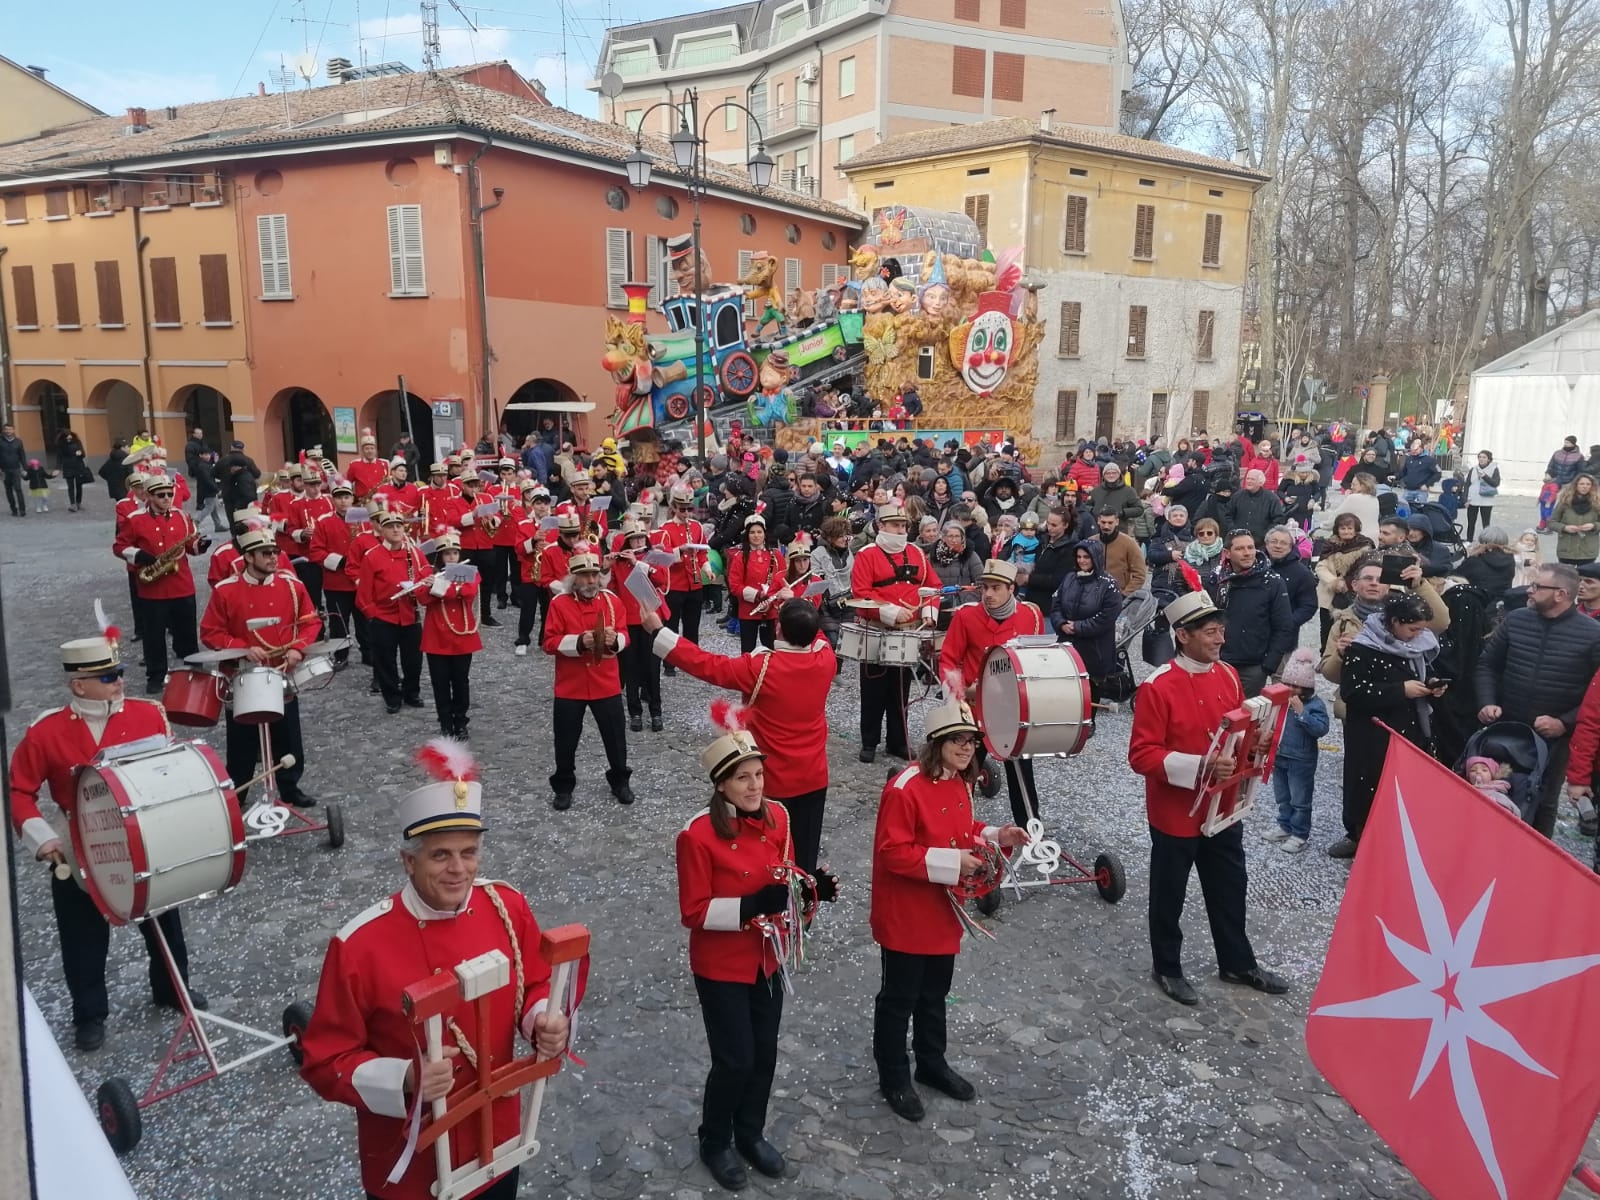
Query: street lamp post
689, 153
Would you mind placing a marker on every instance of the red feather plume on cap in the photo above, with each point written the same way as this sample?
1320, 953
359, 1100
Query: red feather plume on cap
107, 630
955, 686
728, 716
448, 760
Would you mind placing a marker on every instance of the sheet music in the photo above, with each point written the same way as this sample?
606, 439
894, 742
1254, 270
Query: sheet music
355, 515
460, 572
817, 587
548, 523
660, 558
600, 504
643, 590
491, 509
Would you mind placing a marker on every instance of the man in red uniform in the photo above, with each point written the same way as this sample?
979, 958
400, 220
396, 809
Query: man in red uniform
641, 671
368, 472
166, 603
975, 629
390, 572
554, 568
785, 691
304, 512
502, 563
685, 590
260, 593
1180, 706
60, 740
332, 548
280, 507
361, 1049
533, 597
586, 675
441, 502
133, 502
397, 495
891, 574
478, 533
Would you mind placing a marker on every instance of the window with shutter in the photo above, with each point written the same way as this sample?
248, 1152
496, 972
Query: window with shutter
977, 207
1014, 14
1158, 414
108, 293
655, 271
16, 208
65, 276
791, 277
1008, 72
833, 274
1211, 254
1066, 414
164, 293
1144, 231
745, 258
619, 266
1198, 414
1138, 316
969, 10
1208, 329
24, 298
216, 301
1071, 322
1076, 240
406, 274
55, 204
272, 248
966, 71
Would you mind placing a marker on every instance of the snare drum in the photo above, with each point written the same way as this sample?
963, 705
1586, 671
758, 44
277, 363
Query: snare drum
193, 697
257, 695
314, 673
154, 830
1034, 700
902, 647
860, 643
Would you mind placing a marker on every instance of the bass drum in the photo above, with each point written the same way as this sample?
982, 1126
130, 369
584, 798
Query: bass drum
1034, 700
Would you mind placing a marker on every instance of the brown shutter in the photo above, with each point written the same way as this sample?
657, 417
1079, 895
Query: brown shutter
1211, 256
65, 276
26, 299
55, 202
1138, 317
1197, 418
1008, 70
1071, 322
1014, 14
1066, 414
164, 291
969, 10
214, 298
16, 206
1208, 327
1077, 239
108, 290
1144, 231
977, 207
966, 74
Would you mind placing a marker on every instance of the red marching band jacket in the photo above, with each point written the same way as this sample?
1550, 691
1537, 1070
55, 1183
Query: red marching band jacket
893, 580
238, 600
511, 519
450, 617
333, 549
553, 562
714, 873
383, 570
621, 569
280, 511
973, 633
366, 477
304, 514
401, 498
530, 547
578, 675
753, 576
1178, 711
923, 825
474, 532
441, 509
225, 560
146, 533
684, 574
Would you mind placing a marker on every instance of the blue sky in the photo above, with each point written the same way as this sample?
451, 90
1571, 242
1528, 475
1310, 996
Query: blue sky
114, 54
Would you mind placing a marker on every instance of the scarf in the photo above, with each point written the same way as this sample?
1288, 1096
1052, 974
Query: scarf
944, 556
1198, 554
891, 543
1579, 504
1004, 611
1417, 654
1227, 576
1363, 609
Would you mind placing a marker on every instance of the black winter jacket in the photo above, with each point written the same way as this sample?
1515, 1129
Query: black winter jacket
1256, 605
13, 455
1255, 511
1538, 666
1302, 587
1491, 570
1053, 562
1092, 606
1121, 497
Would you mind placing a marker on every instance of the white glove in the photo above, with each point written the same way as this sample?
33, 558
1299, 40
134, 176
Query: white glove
333, 562
750, 594
299, 535
891, 614
466, 520
441, 585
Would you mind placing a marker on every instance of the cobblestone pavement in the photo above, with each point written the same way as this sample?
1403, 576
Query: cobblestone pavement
1090, 1082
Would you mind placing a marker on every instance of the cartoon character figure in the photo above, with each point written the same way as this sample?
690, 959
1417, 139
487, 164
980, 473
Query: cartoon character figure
981, 348
892, 225
865, 262
627, 358
935, 300
771, 405
874, 295
902, 295
827, 306
760, 285
681, 256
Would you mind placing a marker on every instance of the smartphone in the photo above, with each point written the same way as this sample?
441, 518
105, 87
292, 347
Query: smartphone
1434, 682
1393, 565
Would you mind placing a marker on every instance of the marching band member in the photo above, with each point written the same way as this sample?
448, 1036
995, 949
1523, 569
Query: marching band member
280, 509
595, 524
533, 598
685, 590
360, 1048
976, 629
156, 464
798, 576
225, 559
557, 554
477, 536
585, 634
889, 573
332, 541
1180, 706
441, 501
368, 472
263, 590
132, 503
501, 579
641, 669
304, 512
59, 741
785, 694
923, 845
156, 543
450, 636
755, 580
387, 593
734, 875
397, 495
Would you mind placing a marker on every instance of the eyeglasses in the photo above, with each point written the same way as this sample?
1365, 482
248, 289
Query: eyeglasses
111, 676
1546, 587
1206, 533
962, 739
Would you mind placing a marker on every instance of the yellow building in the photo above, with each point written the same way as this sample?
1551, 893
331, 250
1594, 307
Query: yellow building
30, 103
1141, 251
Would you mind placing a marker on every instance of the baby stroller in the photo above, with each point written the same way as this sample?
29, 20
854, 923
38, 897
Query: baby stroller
1518, 746
1442, 526
1138, 611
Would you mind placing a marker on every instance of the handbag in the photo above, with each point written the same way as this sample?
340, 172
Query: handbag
1485, 490
1156, 647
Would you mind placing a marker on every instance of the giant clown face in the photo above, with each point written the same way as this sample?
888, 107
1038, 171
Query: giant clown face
989, 339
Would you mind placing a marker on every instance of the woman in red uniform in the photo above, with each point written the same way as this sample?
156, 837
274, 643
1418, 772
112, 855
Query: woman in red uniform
734, 868
755, 574
450, 636
641, 669
923, 846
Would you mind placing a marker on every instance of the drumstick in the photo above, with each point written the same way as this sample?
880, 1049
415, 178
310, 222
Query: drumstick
59, 867
283, 764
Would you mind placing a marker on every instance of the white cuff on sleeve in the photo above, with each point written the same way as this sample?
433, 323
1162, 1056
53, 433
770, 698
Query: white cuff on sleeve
466, 520
528, 1017
750, 594
622, 640
664, 643
36, 831
1183, 770
890, 614
129, 554
440, 586
930, 612
944, 865
722, 915
381, 1084
991, 833
568, 646
333, 562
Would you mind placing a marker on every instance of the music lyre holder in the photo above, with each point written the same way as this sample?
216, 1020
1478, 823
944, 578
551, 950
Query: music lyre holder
270, 817
470, 1110
1229, 801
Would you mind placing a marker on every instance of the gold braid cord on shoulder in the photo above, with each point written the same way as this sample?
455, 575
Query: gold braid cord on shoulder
467, 1051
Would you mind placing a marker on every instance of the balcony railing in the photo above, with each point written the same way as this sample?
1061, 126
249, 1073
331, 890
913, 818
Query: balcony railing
800, 116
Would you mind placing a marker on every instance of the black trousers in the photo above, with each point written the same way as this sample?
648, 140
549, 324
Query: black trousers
683, 613
396, 659
484, 560
533, 602
568, 720
1019, 785
343, 621
805, 826
161, 617
504, 1188
742, 1031
1555, 776
16, 497
74, 491
450, 675
641, 672
85, 939
749, 631
244, 749
1477, 513
1220, 861
912, 993
885, 692
310, 574
136, 605
505, 573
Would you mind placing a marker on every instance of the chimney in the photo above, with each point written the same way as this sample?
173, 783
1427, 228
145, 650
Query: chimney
1241, 156
261, 89
172, 112
1047, 120
39, 71
138, 121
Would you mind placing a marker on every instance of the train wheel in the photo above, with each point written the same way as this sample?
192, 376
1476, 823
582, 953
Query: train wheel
296, 1018
677, 407
119, 1115
737, 374
335, 826
1108, 877
708, 397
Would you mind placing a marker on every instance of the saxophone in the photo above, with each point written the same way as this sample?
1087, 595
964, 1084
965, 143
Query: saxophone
169, 559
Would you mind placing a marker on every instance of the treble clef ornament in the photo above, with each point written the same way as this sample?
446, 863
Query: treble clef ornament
266, 820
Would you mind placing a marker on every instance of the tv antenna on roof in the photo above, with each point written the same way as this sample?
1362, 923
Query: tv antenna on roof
283, 78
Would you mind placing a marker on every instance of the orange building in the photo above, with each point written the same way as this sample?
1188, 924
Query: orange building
270, 267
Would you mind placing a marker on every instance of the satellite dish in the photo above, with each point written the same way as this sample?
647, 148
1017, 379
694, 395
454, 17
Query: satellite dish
305, 66
611, 85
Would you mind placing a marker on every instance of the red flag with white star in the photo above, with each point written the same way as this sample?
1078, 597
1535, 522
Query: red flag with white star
1457, 1006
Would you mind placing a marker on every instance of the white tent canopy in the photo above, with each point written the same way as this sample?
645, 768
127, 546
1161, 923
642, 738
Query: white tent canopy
1524, 403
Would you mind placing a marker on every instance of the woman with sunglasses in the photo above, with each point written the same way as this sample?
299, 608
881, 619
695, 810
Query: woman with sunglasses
924, 844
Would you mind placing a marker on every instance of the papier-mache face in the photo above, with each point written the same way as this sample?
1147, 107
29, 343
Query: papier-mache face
988, 352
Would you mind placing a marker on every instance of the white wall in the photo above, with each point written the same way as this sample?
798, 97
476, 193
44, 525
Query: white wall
1522, 419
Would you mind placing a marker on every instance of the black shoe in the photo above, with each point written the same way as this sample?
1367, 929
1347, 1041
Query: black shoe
656, 723
301, 800
624, 794
1179, 988
561, 801
1255, 977
413, 701
905, 1102
138, 637
90, 1035
489, 620
899, 752
374, 689
636, 723
763, 1156
501, 604
725, 1167
945, 1080
669, 670
868, 753
196, 998
391, 709
1345, 847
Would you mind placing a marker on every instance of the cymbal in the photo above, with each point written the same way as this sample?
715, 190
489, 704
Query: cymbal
208, 658
330, 646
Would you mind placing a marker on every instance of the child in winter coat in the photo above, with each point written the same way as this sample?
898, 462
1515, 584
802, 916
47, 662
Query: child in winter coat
38, 485
1294, 774
1547, 501
1493, 779
1527, 555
